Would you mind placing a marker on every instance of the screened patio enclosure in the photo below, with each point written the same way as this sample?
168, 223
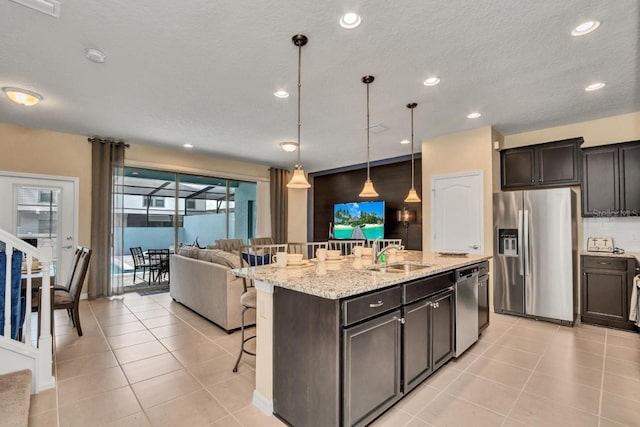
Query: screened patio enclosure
161, 210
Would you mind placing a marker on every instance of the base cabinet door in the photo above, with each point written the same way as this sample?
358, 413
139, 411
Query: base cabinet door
605, 294
483, 303
442, 328
371, 377
417, 343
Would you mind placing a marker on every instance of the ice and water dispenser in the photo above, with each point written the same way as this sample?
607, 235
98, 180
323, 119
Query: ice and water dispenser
508, 242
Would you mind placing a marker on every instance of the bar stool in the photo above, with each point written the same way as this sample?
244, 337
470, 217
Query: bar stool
251, 256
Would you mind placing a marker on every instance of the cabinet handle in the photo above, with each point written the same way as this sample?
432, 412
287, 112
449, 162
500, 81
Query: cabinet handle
539, 179
436, 304
604, 263
401, 319
376, 304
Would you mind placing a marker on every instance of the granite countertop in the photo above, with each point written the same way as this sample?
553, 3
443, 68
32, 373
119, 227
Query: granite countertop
635, 255
350, 276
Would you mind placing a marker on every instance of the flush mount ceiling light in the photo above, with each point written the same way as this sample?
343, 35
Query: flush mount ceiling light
595, 86
412, 197
289, 146
299, 180
431, 81
585, 28
188, 145
350, 20
405, 142
368, 189
22, 96
134, 173
281, 94
95, 55
474, 115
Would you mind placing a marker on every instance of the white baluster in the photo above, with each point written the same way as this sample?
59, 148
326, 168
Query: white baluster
27, 328
7, 292
45, 342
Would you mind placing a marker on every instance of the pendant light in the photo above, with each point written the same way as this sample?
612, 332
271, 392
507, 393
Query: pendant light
412, 197
299, 180
368, 190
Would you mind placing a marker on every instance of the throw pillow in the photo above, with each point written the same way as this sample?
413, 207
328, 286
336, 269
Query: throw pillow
254, 260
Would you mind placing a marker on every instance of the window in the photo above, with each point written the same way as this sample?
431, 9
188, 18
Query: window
44, 196
156, 202
191, 204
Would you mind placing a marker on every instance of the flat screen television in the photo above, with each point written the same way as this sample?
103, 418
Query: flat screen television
358, 220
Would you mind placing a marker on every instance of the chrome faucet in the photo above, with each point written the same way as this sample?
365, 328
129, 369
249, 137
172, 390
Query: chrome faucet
376, 254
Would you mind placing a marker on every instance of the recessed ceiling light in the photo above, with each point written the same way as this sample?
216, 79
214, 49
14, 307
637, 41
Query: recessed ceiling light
289, 146
405, 141
595, 86
431, 81
350, 20
188, 146
95, 55
281, 94
22, 96
474, 115
585, 28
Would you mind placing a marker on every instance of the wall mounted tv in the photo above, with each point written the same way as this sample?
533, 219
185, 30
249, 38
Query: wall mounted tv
358, 220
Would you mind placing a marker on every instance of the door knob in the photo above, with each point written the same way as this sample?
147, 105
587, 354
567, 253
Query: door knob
67, 247
474, 246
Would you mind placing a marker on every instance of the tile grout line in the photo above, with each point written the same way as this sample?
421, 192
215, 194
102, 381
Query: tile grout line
119, 364
515, 402
229, 413
604, 362
462, 371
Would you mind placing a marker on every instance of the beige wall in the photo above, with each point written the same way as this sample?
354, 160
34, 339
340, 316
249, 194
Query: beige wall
44, 152
460, 152
190, 162
608, 130
297, 211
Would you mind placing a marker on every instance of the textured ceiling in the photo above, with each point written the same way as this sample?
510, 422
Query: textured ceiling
203, 72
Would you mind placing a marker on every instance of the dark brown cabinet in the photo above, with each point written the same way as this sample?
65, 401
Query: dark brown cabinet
428, 337
606, 290
553, 164
611, 180
344, 362
371, 368
483, 297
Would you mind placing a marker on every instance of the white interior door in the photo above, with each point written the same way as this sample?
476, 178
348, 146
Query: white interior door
457, 212
42, 207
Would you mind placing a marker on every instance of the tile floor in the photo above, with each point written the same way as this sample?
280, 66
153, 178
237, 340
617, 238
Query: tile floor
149, 361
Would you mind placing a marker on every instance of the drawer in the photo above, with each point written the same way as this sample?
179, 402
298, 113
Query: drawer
366, 306
413, 291
483, 268
604, 263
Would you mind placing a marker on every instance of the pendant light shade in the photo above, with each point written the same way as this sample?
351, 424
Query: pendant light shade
368, 190
412, 197
299, 180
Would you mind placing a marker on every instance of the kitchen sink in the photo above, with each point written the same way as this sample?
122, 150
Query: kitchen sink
399, 267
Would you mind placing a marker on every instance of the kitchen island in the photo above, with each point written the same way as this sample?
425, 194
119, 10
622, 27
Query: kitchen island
338, 343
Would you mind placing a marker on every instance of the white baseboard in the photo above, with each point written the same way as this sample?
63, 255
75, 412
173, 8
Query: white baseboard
262, 403
84, 296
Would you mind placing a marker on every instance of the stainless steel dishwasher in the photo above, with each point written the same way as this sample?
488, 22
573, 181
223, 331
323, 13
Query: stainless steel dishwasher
466, 308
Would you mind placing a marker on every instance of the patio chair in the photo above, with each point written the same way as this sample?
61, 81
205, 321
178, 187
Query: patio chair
139, 262
158, 265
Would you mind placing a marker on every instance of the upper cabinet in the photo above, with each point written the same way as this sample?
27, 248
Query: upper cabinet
611, 180
553, 164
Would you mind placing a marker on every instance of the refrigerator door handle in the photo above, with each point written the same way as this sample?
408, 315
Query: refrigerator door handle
520, 239
527, 264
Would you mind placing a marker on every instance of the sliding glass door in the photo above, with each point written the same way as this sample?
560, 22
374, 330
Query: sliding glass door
163, 210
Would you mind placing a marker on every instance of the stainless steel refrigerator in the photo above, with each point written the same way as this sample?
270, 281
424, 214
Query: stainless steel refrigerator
535, 254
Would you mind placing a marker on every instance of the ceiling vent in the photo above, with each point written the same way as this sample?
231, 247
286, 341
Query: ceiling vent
375, 129
48, 7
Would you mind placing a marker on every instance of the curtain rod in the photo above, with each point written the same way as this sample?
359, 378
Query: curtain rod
106, 140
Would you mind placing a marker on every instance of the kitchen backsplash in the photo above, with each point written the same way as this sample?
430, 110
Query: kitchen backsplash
625, 231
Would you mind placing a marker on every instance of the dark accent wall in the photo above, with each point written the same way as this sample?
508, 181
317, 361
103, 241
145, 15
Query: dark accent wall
392, 181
